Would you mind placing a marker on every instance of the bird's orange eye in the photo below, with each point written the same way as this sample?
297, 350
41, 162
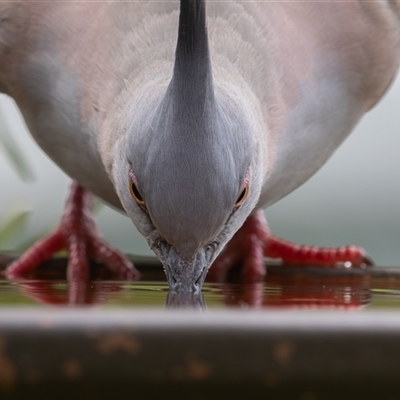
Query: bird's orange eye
135, 191
245, 192
243, 196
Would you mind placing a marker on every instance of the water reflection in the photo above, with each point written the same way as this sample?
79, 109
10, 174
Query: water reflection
75, 293
193, 301
283, 287
156, 294
262, 295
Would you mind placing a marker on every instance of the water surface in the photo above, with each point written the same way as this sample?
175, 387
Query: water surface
283, 287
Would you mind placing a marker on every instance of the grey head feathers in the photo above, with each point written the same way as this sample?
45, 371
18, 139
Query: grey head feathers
188, 150
192, 77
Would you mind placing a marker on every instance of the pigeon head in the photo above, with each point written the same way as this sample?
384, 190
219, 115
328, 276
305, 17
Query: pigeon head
187, 170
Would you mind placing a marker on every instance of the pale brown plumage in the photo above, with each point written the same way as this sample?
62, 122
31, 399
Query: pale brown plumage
297, 75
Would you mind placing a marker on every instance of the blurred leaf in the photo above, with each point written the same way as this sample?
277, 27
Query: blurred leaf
13, 152
98, 205
14, 229
31, 240
14, 226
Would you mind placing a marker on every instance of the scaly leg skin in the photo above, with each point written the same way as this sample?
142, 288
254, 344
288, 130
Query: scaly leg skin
253, 241
78, 234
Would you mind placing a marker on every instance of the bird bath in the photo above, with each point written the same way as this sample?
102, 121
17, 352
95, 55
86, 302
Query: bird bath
303, 333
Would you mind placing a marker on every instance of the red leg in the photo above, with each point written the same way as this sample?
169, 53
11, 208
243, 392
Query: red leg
253, 241
78, 234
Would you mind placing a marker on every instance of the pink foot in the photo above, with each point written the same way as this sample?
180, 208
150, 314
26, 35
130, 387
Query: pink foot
78, 234
253, 241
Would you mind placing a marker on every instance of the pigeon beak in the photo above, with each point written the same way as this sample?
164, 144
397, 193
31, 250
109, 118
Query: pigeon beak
185, 274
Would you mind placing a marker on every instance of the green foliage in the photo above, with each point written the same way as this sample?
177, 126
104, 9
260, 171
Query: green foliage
13, 231
15, 155
98, 206
13, 227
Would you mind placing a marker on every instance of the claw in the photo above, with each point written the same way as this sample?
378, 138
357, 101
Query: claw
78, 234
254, 241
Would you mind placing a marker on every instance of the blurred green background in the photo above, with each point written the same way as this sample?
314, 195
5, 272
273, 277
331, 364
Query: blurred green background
354, 198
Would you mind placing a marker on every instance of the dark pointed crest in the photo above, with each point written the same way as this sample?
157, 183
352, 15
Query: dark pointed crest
192, 78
